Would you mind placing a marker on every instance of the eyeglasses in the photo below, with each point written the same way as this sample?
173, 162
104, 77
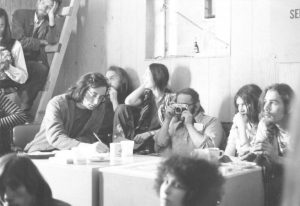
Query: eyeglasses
92, 96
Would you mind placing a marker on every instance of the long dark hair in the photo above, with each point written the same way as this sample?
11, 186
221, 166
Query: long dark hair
89, 80
250, 94
6, 37
125, 86
160, 75
16, 171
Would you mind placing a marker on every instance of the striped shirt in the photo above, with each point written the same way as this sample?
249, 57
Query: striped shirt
10, 114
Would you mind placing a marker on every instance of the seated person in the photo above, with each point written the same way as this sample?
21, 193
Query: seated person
35, 29
245, 120
22, 184
272, 140
119, 82
10, 115
187, 128
138, 119
186, 181
76, 117
13, 70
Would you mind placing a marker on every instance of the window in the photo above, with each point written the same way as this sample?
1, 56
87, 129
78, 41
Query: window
187, 28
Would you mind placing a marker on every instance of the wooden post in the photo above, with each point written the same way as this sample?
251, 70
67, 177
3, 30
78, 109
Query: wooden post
60, 50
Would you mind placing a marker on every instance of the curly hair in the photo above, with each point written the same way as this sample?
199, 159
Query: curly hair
89, 80
160, 75
202, 180
250, 94
16, 171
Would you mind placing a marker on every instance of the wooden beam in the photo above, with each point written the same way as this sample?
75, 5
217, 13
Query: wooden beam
53, 48
57, 60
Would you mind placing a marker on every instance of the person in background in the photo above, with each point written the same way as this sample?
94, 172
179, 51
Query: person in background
186, 127
10, 115
13, 70
77, 118
22, 184
187, 181
119, 82
138, 119
245, 120
35, 29
272, 140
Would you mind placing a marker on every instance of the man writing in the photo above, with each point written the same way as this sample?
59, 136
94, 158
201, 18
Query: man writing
35, 29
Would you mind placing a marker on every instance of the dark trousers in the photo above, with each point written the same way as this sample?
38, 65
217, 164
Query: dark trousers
125, 122
5, 141
37, 77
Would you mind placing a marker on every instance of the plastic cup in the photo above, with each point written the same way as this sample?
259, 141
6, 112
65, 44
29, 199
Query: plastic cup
115, 150
127, 148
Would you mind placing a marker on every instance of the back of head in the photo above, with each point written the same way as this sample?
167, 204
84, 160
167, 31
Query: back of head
89, 80
202, 180
160, 75
16, 171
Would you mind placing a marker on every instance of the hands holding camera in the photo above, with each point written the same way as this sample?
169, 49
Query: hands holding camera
181, 111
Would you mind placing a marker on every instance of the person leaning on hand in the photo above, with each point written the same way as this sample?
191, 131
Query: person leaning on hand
35, 28
77, 118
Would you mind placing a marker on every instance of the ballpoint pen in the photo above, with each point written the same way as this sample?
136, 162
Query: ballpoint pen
95, 135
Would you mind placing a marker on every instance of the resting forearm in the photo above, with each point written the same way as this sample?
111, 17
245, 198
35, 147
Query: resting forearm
197, 138
162, 137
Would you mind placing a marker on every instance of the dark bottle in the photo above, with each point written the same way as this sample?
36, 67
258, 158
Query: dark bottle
196, 47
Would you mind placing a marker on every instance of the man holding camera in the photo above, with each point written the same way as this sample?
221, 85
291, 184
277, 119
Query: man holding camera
186, 127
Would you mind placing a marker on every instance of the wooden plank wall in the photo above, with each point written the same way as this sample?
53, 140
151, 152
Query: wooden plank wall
11, 5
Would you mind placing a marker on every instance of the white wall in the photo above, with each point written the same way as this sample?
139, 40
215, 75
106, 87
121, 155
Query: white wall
114, 32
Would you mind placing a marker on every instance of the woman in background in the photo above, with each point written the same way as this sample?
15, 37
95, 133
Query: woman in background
138, 119
186, 181
13, 70
245, 120
21, 184
119, 82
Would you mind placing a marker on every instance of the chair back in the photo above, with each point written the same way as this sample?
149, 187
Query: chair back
23, 134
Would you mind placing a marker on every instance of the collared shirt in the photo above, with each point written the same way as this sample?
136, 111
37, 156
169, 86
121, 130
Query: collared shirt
180, 140
37, 22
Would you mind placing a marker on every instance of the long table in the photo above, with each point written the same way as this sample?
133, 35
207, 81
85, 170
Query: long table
132, 185
130, 181
78, 185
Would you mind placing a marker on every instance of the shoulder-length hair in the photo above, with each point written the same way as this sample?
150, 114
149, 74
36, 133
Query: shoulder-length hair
6, 37
125, 86
202, 180
250, 94
160, 75
89, 80
16, 171
285, 92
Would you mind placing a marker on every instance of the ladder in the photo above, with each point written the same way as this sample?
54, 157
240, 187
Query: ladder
58, 52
